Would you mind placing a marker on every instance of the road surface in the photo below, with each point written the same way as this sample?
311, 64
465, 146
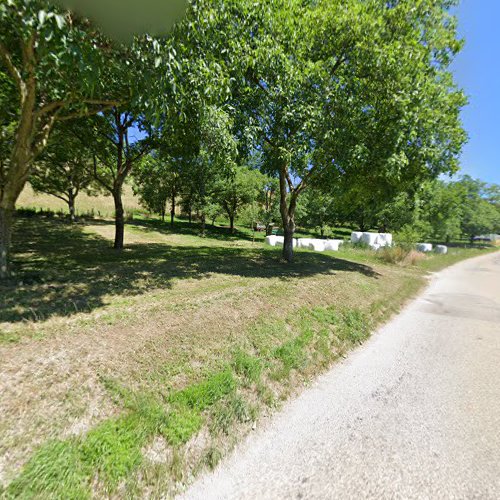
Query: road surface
415, 413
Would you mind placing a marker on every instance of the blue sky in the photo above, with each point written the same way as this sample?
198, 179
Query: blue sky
477, 71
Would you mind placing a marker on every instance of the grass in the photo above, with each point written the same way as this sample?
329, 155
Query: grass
136, 370
99, 206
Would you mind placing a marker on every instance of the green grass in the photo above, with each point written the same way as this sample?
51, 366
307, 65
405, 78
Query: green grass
201, 396
216, 330
56, 471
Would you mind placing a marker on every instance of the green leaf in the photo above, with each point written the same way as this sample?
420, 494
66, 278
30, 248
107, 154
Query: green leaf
42, 15
60, 21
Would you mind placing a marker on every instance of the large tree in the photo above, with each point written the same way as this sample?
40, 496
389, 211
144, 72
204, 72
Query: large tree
238, 190
64, 169
62, 68
157, 182
116, 152
346, 91
480, 214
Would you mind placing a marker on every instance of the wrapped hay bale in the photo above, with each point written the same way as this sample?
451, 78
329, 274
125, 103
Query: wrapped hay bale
424, 247
270, 240
385, 239
317, 245
441, 249
304, 242
371, 239
332, 245
274, 240
356, 236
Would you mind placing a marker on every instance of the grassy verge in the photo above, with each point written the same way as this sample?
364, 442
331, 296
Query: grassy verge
138, 370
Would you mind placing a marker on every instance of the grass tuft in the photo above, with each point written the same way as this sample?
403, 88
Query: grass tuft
205, 394
113, 448
56, 470
248, 367
181, 424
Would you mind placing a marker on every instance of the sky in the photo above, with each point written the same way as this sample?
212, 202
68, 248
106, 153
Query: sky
477, 71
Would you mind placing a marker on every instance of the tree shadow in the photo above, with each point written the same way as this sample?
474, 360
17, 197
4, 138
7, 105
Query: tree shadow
64, 270
185, 227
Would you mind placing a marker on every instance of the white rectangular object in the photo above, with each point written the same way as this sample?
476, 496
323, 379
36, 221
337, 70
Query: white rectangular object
304, 242
441, 249
317, 245
332, 246
371, 239
424, 247
385, 239
356, 236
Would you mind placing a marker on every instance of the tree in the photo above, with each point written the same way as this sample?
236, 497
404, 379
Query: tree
479, 214
116, 153
156, 181
317, 210
239, 190
63, 68
64, 169
331, 90
203, 154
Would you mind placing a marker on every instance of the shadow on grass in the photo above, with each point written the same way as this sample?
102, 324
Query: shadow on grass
185, 227
64, 270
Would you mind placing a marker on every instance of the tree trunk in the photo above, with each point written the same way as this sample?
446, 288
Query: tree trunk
119, 219
172, 210
6, 216
231, 223
287, 217
190, 215
71, 206
203, 219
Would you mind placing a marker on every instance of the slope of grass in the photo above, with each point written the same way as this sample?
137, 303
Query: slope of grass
139, 368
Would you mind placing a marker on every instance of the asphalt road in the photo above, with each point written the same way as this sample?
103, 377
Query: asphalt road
414, 413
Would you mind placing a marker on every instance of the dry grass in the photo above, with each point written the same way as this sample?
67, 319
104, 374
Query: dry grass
100, 206
401, 256
89, 327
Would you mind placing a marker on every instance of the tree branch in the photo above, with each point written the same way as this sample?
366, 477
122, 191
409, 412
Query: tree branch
303, 183
80, 114
98, 179
50, 107
288, 179
15, 73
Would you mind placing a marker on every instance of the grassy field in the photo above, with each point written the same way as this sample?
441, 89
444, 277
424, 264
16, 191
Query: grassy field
98, 206
125, 374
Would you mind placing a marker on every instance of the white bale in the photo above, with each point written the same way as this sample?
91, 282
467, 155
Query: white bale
356, 236
317, 245
442, 249
424, 247
304, 242
332, 245
274, 240
270, 240
385, 239
371, 239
